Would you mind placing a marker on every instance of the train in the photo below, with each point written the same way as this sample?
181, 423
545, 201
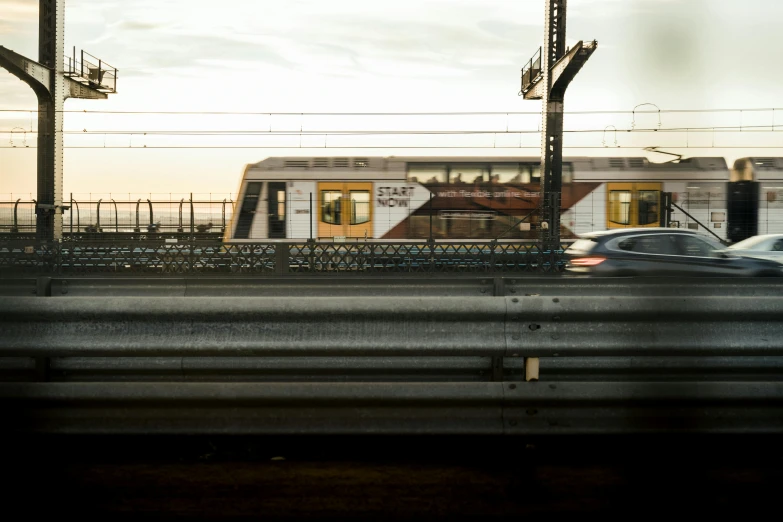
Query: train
495, 198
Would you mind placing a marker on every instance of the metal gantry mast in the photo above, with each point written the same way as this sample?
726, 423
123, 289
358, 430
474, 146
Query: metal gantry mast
545, 77
53, 82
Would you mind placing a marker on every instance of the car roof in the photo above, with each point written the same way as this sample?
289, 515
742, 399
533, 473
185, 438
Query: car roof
766, 236
628, 231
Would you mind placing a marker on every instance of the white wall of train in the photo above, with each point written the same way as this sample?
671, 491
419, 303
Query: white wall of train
391, 198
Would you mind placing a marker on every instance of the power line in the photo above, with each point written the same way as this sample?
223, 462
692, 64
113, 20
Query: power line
237, 132
382, 147
446, 113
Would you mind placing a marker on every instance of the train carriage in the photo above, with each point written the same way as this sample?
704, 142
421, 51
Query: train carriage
453, 198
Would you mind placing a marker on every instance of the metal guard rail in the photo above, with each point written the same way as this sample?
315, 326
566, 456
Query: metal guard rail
389, 286
492, 365
150, 258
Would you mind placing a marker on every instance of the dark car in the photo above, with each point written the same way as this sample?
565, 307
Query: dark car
660, 252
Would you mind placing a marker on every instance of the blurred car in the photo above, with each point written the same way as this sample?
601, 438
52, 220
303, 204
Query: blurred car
768, 246
660, 252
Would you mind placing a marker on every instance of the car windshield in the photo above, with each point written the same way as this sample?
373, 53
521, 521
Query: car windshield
749, 243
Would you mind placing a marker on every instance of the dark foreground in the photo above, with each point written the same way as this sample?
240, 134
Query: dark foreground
389, 478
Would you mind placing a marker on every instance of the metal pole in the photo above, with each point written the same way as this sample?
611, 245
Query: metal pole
15, 228
78, 218
180, 228
50, 78
51, 53
116, 224
98, 218
138, 228
552, 126
192, 217
311, 217
549, 85
70, 212
430, 217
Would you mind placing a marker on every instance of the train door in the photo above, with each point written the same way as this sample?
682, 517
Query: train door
633, 205
277, 210
248, 210
345, 210
743, 210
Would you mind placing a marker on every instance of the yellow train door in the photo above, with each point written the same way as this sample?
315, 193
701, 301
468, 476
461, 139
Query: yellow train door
345, 210
633, 205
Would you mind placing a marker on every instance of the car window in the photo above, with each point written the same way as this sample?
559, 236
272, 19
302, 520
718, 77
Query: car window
648, 244
694, 246
778, 246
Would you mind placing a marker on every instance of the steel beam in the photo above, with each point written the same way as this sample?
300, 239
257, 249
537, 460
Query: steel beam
558, 68
34, 74
563, 71
75, 89
47, 79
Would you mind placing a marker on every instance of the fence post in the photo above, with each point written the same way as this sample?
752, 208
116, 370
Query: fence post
281, 258
15, 228
98, 216
223, 217
430, 217
116, 223
151, 220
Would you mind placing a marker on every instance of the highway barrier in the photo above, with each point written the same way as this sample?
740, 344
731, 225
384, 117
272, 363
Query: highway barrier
513, 365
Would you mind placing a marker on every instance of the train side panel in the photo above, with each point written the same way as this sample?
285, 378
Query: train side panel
395, 203
768, 172
302, 221
588, 214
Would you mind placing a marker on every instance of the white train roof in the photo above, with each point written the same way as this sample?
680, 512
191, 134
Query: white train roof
402, 162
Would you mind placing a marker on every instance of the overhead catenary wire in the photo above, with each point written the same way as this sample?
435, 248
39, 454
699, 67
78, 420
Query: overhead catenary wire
335, 132
422, 113
384, 147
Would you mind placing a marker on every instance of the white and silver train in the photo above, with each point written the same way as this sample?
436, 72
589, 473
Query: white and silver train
456, 198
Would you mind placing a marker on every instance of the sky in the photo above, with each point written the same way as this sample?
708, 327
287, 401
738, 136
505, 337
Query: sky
257, 58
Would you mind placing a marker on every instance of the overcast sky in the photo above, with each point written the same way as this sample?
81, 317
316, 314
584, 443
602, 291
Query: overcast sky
305, 56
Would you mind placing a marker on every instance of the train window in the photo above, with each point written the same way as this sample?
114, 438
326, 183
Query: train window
510, 173
568, 172
360, 207
470, 174
281, 205
620, 207
535, 173
331, 208
428, 173
648, 207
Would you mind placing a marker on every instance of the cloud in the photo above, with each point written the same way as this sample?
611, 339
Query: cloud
318, 41
14, 10
18, 17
